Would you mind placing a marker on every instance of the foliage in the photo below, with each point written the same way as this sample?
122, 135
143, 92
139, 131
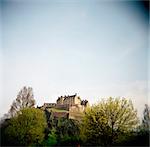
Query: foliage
3, 125
104, 122
25, 99
112, 121
61, 131
67, 131
27, 128
134, 138
52, 138
140, 137
146, 118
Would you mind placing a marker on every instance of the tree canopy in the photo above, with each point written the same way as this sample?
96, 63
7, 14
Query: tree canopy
26, 128
61, 131
25, 99
110, 122
103, 122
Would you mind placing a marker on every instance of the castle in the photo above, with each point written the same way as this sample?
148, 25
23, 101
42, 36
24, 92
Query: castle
72, 105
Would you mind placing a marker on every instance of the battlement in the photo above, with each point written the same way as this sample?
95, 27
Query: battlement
71, 100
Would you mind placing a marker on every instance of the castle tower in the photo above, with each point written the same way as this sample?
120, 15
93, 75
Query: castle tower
60, 100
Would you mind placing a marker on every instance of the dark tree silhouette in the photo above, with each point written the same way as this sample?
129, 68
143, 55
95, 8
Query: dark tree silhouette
146, 118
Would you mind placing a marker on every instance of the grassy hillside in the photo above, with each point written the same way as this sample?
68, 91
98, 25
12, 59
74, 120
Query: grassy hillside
57, 110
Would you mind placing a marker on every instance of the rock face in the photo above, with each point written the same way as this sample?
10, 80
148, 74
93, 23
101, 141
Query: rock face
73, 104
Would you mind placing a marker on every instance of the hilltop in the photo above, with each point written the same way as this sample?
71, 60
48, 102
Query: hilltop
70, 106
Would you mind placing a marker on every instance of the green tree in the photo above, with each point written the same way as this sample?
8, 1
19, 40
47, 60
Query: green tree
25, 99
26, 128
104, 122
69, 131
51, 139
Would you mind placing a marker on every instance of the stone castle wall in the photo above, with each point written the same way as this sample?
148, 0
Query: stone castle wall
73, 104
70, 100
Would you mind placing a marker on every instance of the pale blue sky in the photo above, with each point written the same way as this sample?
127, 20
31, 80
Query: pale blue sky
93, 48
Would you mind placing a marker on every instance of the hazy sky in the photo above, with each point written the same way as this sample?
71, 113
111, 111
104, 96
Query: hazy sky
93, 48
